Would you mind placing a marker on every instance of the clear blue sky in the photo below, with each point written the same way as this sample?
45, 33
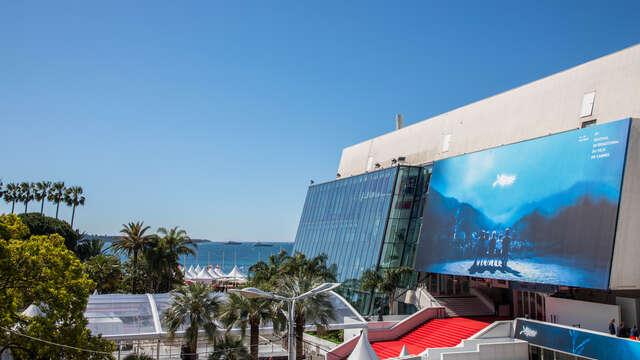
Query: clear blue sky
214, 115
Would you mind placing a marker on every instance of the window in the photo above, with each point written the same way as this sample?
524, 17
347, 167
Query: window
588, 123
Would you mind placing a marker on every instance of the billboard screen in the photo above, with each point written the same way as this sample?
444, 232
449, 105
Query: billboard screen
541, 211
585, 343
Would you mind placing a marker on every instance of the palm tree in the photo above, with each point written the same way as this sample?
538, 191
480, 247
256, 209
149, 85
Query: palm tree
73, 197
385, 283
267, 272
177, 242
26, 194
132, 242
316, 309
89, 248
193, 303
42, 192
229, 348
243, 312
56, 195
11, 195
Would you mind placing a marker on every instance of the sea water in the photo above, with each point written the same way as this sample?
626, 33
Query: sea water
227, 255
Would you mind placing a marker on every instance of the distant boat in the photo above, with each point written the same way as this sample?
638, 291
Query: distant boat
233, 243
260, 244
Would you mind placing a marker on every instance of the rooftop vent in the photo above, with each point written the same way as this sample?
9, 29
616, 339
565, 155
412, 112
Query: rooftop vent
399, 122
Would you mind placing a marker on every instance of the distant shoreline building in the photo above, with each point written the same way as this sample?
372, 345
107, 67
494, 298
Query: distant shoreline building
424, 196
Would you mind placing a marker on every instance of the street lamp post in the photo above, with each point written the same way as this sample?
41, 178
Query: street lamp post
291, 304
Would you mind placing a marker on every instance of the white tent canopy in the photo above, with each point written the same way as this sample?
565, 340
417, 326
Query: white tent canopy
363, 350
404, 351
33, 311
203, 276
235, 274
218, 271
212, 273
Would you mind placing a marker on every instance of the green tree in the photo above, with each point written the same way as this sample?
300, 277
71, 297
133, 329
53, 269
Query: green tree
193, 303
243, 312
42, 192
132, 241
268, 271
88, 248
43, 225
26, 194
106, 271
11, 195
73, 197
56, 195
161, 255
387, 282
316, 309
229, 348
41, 271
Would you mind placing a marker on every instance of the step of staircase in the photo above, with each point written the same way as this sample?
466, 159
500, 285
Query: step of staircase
435, 333
464, 306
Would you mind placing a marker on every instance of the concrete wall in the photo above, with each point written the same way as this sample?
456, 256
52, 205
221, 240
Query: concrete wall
546, 106
625, 268
629, 311
587, 315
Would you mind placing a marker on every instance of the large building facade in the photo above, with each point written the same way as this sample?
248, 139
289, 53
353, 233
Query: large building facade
440, 195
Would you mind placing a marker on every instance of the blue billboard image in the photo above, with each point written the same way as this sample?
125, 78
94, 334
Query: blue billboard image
585, 343
541, 211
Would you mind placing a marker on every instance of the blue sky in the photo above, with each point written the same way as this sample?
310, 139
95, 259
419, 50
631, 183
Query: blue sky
500, 181
214, 115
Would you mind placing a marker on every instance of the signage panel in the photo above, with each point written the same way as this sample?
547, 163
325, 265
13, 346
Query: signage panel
540, 211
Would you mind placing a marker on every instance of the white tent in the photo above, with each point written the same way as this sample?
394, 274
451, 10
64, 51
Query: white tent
203, 276
363, 350
235, 274
32, 311
218, 271
404, 351
212, 273
197, 269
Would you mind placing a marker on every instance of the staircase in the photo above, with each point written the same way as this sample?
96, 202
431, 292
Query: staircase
464, 306
432, 334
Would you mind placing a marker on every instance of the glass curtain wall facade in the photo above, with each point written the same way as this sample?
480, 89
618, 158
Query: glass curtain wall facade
345, 219
369, 221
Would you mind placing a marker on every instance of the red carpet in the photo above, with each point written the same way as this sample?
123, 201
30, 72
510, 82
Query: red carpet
432, 334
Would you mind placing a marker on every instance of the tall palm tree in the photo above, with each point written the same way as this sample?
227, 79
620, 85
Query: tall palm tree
244, 312
89, 248
73, 197
132, 241
177, 242
42, 192
56, 195
229, 348
193, 303
316, 309
11, 195
267, 272
26, 194
387, 282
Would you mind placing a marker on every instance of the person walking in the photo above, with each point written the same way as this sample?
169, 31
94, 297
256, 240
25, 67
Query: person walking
621, 330
612, 326
634, 332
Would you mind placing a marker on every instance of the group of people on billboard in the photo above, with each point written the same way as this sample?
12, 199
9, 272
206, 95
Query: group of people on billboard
490, 249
